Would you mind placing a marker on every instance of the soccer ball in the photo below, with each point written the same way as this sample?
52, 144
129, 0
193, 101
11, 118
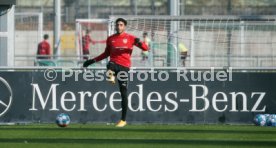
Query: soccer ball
271, 121
267, 119
260, 120
62, 120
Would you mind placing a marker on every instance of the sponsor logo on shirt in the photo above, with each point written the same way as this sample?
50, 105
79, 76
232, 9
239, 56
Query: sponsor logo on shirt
124, 41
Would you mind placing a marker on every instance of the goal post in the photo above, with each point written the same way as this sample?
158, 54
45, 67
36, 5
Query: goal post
28, 33
35, 17
7, 33
99, 33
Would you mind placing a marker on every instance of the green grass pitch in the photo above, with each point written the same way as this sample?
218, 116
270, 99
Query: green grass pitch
132, 136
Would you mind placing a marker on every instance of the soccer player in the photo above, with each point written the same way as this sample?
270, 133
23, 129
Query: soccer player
86, 40
183, 53
145, 54
119, 48
43, 49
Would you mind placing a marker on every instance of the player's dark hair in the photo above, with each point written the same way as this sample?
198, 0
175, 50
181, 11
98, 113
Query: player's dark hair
121, 20
46, 36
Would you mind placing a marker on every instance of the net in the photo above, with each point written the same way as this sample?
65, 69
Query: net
91, 35
205, 41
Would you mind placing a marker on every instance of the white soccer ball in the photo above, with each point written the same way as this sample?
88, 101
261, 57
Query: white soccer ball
260, 120
62, 120
271, 121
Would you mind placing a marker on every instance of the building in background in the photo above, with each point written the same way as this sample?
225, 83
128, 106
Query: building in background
72, 9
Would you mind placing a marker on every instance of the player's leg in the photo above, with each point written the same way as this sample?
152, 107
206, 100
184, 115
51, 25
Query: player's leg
124, 103
111, 68
86, 54
112, 71
123, 86
183, 58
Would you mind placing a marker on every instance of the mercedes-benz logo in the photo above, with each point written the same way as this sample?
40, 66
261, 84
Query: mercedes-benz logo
5, 96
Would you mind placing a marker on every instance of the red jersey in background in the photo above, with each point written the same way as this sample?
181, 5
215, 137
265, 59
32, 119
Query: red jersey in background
86, 40
44, 49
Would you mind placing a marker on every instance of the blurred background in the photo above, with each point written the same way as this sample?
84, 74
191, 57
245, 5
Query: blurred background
71, 9
34, 18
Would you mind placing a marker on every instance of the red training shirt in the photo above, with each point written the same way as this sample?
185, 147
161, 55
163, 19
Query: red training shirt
43, 48
86, 40
119, 47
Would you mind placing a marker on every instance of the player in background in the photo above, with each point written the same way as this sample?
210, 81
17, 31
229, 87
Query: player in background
119, 48
146, 40
44, 49
86, 41
183, 53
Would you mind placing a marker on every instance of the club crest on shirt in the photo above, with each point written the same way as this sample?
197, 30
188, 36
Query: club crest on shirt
124, 41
